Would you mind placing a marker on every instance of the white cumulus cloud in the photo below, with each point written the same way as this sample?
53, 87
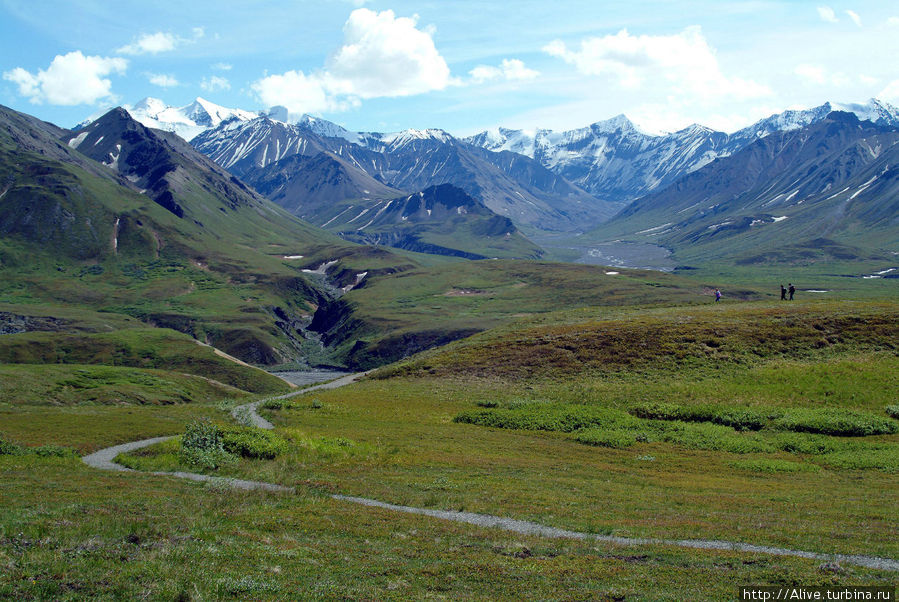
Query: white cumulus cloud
827, 14
682, 63
151, 43
162, 80
385, 55
215, 83
155, 43
855, 17
509, 69
382, 56
71, 79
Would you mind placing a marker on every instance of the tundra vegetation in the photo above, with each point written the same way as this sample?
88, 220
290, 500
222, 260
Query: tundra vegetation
756, 422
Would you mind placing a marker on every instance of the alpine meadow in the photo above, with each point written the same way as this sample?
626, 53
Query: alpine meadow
404, 328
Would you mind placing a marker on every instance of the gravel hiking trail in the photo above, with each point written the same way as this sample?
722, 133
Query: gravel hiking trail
247, 414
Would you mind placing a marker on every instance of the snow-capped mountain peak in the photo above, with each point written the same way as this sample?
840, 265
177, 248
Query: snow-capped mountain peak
187, 121
619, 123
876, 111
323, 127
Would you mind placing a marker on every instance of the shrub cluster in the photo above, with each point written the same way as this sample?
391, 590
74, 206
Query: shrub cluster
825, 421
881, 458
841, 423
616, 439
733, 430
210, 446
8, 448
202, 445
893, 411
741, 419
253, 443
549, 417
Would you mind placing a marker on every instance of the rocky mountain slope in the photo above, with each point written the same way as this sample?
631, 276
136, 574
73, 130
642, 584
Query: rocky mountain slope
511, 186
158, 233
441, 220
829, 190
615, 161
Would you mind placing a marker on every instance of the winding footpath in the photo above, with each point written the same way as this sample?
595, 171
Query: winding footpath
105, 460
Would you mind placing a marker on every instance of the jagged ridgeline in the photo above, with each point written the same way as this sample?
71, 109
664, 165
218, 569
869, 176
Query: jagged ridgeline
120, 219
828, 191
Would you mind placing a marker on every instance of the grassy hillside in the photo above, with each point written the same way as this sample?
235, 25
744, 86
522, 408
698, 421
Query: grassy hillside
75, 234
401, 313
731, 436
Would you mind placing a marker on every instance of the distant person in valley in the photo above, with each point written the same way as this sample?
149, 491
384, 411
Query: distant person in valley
792, 290
783, 293
717, 295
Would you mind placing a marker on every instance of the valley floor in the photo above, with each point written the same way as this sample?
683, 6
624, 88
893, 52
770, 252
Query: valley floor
646, 451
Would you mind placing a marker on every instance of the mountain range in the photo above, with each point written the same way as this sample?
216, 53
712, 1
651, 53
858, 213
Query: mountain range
510, 185
615, 161
825, 191
542, 180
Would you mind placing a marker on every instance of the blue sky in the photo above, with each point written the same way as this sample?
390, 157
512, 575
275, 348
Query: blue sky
460, 65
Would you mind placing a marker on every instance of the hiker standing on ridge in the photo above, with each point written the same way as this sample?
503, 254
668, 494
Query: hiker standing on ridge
717, 295
783, 293
792, 290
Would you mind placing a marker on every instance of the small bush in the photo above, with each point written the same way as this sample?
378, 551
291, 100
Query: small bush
614, 439
741, 419
8, 448
773, 465
11, 449
487, 403
893, 411
807, 443
710, 437
253, 443
202, 445
656, 411
549, 417
54, 451
841, 423
885, 459
275, 404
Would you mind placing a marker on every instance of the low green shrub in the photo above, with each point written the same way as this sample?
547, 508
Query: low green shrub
202, 445
656, 411
709, 436
54, 451
291, 404
252, 443
549, 417
8, 448
893, 411
828, 421
741, 419
602, 438
876, 458
807, 443
277, 404
770, 465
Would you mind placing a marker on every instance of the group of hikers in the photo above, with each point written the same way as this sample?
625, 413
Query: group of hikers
783, 293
